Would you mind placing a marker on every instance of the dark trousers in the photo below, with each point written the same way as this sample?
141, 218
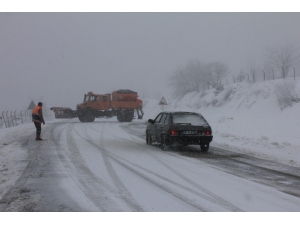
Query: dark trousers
38, 128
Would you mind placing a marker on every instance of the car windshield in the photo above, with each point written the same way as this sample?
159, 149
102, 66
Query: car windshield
192, 119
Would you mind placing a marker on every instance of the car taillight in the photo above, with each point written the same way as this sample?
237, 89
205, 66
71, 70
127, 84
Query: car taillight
174, 132
207, 132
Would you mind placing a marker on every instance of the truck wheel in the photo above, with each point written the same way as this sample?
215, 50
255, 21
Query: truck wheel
129, 116
120, 117
89, 117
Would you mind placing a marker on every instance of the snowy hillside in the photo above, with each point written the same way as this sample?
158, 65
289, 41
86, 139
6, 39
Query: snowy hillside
247, 118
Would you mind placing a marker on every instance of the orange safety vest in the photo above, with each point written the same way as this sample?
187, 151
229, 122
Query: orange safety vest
36, 109
37, 116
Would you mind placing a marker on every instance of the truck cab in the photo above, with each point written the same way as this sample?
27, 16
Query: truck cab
95, 101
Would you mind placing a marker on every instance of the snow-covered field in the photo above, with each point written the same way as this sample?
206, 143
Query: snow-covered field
246, 118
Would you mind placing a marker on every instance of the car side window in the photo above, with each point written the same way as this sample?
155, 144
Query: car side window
167, 119
157, 118
163, 118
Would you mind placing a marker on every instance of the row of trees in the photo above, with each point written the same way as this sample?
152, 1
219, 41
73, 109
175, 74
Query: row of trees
281, 59
198, 76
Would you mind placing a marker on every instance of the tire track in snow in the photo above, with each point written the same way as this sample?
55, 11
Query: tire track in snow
96, 190
282, 177
217, 199
15, 193
123, 192
169, 191
209, 195
128, 165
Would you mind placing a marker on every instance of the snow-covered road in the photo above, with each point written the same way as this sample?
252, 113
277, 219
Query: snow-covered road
107, 166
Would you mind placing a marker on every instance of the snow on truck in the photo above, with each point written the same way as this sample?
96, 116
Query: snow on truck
121, 103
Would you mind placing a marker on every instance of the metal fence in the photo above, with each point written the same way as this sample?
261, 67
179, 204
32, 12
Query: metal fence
14, 118
258, 77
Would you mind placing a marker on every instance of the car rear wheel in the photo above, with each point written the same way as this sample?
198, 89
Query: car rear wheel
164, 145
204, 147
148, 138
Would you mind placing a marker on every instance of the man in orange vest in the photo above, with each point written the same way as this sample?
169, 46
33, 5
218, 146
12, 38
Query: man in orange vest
38, 119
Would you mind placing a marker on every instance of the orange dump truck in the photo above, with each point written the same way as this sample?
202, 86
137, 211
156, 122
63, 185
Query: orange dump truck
122, 103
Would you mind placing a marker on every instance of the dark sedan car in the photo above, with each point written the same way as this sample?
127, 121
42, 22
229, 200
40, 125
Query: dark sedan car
186, 128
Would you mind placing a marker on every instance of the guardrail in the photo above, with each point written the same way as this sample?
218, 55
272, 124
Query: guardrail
14, 118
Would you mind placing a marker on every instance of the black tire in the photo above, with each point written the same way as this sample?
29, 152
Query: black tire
92, 119
129, 114
204, 147
125, 115
120, 117
81, 118
89, 117
148, 138
164, 145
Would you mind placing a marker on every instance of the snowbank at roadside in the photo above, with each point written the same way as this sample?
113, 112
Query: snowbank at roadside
246, 118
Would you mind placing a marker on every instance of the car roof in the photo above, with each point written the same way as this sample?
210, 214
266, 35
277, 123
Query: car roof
180, 112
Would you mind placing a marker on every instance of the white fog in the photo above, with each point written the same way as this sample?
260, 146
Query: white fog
238, 66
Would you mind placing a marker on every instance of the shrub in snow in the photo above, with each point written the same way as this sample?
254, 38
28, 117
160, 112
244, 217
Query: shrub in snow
227, 93
219, 89
202, 94
214, 102
205, 103
286, 93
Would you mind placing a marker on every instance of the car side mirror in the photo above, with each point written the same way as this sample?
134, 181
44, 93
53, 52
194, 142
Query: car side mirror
151, 121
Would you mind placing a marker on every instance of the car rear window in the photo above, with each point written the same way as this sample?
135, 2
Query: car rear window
192, 119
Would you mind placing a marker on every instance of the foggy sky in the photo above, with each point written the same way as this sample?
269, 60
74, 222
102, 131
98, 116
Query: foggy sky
58, 57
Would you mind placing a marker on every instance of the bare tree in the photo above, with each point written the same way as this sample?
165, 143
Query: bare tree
286, 94
269, 70
214, 72
252, 69
196, 76
284, 58
241, 76
185, 80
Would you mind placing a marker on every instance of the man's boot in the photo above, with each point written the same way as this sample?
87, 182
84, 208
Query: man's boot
38, 138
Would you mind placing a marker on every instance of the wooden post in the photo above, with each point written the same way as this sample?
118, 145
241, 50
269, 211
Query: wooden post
21, 117
15, 118
11, 117
4, 119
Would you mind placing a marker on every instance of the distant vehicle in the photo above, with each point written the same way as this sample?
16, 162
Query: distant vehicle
186, 128
121, 103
